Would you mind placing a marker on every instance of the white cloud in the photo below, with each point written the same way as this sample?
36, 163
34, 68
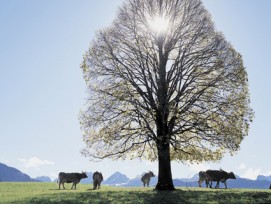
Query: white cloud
241, 166
251, 173
35, 162
267, 173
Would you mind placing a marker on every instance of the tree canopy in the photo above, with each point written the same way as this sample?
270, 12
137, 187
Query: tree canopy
162, 79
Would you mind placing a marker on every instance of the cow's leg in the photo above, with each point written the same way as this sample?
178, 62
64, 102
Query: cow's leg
72, 185
63, 185
225, 184
59, 185
206, 183
217, 184
200, 181
210, 184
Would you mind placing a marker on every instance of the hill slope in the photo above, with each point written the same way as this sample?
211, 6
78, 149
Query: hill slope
116, 179
13, 175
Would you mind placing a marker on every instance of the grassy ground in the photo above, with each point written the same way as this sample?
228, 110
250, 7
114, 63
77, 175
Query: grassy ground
49, 193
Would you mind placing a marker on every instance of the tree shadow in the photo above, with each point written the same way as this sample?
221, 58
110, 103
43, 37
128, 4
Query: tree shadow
153, 196
216, 196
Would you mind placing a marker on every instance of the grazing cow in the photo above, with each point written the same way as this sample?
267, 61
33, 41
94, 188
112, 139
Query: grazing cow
97, 180
202, 177
219, 175
146, 178
73, 178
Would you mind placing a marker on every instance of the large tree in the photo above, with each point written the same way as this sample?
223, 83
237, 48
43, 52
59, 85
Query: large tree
164, 85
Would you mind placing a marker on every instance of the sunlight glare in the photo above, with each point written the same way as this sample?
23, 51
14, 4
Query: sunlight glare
159, 24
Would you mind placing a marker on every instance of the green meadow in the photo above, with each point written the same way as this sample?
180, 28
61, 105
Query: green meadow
49, 193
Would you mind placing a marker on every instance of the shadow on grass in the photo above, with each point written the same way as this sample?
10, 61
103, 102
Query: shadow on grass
159, 197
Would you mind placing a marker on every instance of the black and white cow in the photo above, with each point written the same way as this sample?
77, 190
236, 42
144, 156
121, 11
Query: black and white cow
73, 178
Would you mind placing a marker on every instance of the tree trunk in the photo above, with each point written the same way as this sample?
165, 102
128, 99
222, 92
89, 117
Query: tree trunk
165, 181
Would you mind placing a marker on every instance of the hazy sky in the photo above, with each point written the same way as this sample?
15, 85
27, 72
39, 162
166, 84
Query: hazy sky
42, 88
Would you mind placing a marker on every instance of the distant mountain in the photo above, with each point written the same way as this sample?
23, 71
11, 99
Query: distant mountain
43, 179
231, 183
195, 177
137, 181
263, 178
239, 182
10, 174
134, 182
116, 179
261, 183
248, 183
185, 183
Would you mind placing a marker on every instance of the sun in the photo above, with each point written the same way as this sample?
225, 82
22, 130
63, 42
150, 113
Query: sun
159, 24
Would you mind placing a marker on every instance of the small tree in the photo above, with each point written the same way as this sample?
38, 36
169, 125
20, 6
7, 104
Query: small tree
164, 85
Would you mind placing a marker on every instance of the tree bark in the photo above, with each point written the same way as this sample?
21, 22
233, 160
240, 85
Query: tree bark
165, 181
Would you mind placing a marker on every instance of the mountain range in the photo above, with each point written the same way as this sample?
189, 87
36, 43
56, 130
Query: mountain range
10, 174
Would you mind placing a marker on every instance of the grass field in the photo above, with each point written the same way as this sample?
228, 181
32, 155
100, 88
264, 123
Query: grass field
49, 193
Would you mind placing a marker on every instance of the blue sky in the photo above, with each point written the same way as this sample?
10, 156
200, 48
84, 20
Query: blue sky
42, 88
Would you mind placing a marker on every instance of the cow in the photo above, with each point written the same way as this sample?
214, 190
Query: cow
202, 177
73, 178
146, 178
219, 175
208, 180
97, 180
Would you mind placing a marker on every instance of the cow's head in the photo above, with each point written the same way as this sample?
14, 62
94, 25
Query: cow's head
84, 174
151, 174
231, 175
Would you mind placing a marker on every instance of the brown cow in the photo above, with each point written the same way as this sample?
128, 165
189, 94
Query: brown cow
219, 175
146, 178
